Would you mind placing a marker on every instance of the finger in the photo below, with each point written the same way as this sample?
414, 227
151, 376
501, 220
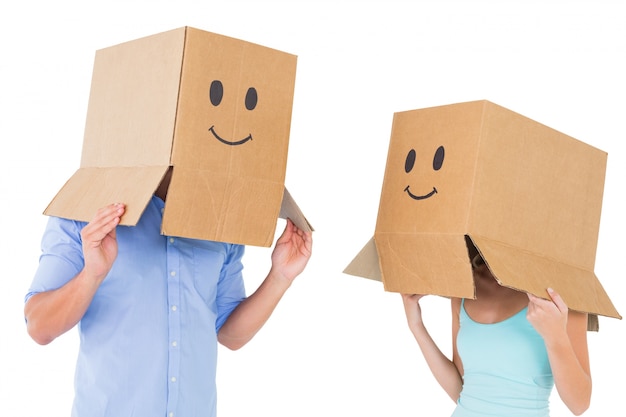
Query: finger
112, 215
113, 232
105, 220
108, 214
308, 241
296, 230
557, 299
535, 303
286, 234
532, 298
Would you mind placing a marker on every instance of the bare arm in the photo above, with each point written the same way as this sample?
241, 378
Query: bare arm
290, 256
565, 335
50, 314
443, 369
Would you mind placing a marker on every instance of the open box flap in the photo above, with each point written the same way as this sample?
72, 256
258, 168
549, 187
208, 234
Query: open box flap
90, 189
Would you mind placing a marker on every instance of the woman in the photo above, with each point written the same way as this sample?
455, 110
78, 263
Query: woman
509, 349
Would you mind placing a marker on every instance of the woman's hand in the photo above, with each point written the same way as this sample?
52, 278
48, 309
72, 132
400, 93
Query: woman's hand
548, 317
565, 335
413, 310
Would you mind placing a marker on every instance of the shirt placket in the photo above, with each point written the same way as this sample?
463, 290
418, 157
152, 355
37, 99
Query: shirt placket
173, 305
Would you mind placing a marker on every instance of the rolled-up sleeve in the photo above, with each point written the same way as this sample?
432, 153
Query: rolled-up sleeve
230, 288
61, 256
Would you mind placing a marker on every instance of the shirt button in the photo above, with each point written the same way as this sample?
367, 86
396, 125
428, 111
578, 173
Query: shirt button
171, 414
173, 379
174, 308
174, 344
172, 273
171, 240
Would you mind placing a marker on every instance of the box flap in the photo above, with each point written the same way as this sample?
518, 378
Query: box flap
290, 210
129, 128
221, 208
416, 264
365, 264
534, 273
132, 103
92, 188
435, 264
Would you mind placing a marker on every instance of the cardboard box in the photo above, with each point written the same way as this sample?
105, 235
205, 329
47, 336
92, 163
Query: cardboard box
473, 177
215, 109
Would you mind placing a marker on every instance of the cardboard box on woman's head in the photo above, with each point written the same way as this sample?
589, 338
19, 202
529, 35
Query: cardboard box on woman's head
214, 109
476, 177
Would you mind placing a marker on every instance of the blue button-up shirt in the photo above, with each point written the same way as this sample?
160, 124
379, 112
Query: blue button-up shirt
148, 342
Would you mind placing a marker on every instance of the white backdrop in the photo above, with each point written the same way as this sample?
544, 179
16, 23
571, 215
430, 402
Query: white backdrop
337, 345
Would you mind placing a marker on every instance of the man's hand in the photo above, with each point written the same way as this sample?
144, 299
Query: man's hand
290, 256
52, 313
292, 252
99, 240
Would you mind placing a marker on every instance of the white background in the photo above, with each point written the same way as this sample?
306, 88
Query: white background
337, 345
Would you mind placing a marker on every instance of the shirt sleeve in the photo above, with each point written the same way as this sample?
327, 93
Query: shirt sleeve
230, 287
61, 256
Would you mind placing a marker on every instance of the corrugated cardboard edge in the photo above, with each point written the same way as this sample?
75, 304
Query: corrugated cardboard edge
133, 186
366, 265
508, 263
290, 210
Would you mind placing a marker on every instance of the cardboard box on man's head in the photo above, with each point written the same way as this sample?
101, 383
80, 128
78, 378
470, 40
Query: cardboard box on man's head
215, 109
476, 177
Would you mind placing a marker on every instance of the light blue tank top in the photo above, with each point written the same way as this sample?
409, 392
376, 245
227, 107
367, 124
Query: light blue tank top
507, 372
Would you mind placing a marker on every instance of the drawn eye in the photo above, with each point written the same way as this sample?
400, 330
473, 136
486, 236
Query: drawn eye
251, 98
438, 159
216, 92
410, 161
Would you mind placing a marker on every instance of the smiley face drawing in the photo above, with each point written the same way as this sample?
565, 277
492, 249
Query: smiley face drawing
429, 172
425, 203
233, 121
409, 164
216, 94
235, 107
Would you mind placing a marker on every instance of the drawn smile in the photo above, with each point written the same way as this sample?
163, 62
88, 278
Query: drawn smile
227, 142
420, 197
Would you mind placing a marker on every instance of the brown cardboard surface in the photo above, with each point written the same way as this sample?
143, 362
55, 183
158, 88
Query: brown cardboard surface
528, 197
215, 108
91, 188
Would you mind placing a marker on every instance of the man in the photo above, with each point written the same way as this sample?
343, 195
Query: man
150, 308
